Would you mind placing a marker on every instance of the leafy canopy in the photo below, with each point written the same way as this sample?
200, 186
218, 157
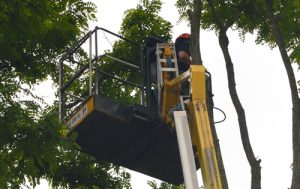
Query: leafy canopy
164, 185
34, 33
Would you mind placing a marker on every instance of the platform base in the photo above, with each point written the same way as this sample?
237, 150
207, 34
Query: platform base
129, 137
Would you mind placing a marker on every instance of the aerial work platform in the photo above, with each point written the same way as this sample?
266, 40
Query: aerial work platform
129, 137
167, 136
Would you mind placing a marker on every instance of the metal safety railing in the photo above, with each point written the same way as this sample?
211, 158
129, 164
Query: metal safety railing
94, 71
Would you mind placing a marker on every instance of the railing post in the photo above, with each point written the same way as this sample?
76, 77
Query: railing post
143, 75
148, 81
61, 91
96, 64
93, 83
90, 66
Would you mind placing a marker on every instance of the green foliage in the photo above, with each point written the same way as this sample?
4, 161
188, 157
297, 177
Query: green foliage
287, 14
33, 33
164, 185
32, 146
75, 169
32, 142
21, 143
183, 6
144, 21
249, 17
289, 21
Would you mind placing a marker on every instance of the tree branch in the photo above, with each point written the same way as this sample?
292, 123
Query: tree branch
224, 42
195, 17
274, 22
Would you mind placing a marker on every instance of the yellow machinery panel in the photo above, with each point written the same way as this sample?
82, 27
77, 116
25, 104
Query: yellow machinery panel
80, 114
170, 98
202, 138
198, 86
201, 130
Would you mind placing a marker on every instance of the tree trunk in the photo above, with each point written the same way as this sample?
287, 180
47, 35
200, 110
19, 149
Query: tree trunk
210, 104
224, 42
294, 93
296, 146
195, 17
254, 163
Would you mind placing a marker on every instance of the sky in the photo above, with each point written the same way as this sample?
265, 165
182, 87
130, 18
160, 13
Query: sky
263, 89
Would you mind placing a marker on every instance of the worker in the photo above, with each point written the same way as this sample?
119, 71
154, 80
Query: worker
182, 46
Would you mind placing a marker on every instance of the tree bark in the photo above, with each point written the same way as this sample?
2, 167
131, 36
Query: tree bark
224, 42
296, 146
195, 17
294, 92
210, 104
254, 163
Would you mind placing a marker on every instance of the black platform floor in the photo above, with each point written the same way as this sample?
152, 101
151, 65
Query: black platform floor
128, 137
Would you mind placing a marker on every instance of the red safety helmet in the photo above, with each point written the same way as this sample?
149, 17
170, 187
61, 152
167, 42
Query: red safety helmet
185, 36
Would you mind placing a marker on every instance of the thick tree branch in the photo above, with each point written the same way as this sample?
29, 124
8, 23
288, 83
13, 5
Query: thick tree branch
224, 42
282, 48
274, 22
195, 17
210, 105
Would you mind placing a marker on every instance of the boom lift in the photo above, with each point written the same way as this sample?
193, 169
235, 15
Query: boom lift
168, 140
196, 112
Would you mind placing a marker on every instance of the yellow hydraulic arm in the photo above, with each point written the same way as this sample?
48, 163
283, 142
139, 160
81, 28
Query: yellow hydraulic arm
199, 124
201, 129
